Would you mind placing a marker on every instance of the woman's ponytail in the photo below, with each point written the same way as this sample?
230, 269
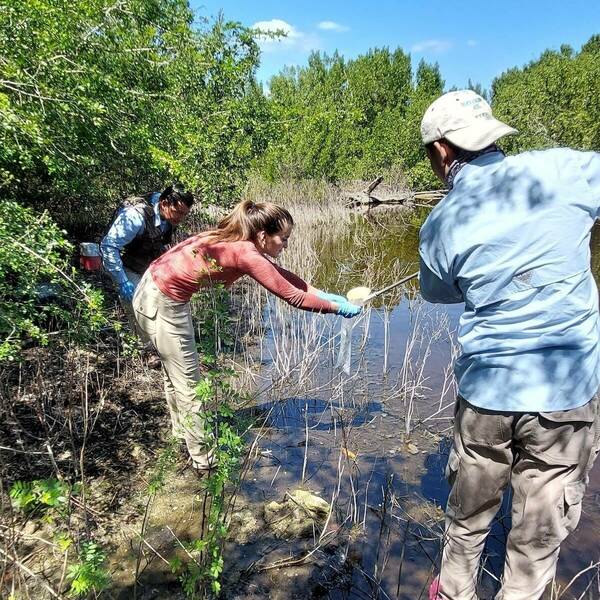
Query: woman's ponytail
236, 225
248, 218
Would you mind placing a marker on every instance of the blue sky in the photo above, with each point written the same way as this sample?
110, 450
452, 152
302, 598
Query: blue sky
477, 40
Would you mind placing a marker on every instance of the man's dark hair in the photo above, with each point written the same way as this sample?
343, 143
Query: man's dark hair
457, 150
175, 194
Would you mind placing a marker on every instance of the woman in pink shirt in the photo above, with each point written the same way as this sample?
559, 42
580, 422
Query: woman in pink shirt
244, 243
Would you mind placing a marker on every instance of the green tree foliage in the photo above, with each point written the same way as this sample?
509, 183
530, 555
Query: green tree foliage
553, 101
343, 119
217, 121
101, 98
39, 289
340, 119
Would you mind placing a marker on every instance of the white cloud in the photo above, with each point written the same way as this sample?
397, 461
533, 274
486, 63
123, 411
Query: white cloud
472, 43
277, 26
432, 46
293, 39
332, 26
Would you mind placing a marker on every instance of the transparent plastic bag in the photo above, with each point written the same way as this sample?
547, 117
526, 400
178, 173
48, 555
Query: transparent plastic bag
344, 356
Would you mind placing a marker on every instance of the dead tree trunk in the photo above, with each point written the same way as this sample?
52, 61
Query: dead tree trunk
366, 198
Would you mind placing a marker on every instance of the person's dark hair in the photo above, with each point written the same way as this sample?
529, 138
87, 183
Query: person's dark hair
175, 194
454, 147
247, 219
461, 157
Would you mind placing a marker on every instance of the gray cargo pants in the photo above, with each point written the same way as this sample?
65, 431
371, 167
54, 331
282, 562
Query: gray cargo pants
546, 458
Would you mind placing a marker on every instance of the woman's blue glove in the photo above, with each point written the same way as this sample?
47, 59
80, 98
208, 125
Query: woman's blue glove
347, 309
126, 290
332, 297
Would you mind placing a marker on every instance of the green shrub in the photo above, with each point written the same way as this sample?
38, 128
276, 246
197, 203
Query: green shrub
89, 574
200, 574
552, 101
39, 289
100, 99
41, 494
340, 119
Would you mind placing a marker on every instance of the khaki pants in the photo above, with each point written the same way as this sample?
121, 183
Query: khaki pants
546, 458
168, 324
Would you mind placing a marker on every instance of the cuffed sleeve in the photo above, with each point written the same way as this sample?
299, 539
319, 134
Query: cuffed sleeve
434, 289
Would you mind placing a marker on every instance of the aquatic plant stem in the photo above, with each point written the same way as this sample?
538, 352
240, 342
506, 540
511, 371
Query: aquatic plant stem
305, 441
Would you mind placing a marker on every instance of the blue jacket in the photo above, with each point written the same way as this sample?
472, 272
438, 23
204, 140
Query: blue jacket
127, 225
512, 241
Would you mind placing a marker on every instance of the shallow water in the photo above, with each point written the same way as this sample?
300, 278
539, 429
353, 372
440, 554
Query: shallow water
345, 437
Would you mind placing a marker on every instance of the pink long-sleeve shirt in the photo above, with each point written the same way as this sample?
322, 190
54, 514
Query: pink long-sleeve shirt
197, 262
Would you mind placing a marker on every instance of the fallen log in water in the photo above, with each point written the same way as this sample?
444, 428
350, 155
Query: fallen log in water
367, 198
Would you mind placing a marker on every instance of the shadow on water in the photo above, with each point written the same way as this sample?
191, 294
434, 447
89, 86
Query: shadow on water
433, 483
314, 413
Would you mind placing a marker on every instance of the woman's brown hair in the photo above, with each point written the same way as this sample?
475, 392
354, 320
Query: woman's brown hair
248, 218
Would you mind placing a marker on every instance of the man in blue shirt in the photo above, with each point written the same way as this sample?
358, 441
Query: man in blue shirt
511, 241
140, 232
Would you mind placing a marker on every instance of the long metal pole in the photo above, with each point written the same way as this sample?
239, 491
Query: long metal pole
390, 287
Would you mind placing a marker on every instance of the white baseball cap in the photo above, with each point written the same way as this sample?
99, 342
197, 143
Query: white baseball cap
465, 119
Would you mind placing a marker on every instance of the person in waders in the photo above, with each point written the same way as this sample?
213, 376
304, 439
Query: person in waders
512, 241
141, 231
246, 242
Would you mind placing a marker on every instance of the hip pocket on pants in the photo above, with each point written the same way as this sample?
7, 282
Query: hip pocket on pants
145, 301
452, 466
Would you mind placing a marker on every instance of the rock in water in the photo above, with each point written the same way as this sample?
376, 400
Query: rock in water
298, 516
244, 526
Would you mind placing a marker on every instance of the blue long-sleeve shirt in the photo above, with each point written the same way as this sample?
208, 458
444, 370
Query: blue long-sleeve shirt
511, 240
128, 224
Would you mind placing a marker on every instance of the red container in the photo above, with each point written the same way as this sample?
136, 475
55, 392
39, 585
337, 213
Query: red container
90, 263
89, 256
